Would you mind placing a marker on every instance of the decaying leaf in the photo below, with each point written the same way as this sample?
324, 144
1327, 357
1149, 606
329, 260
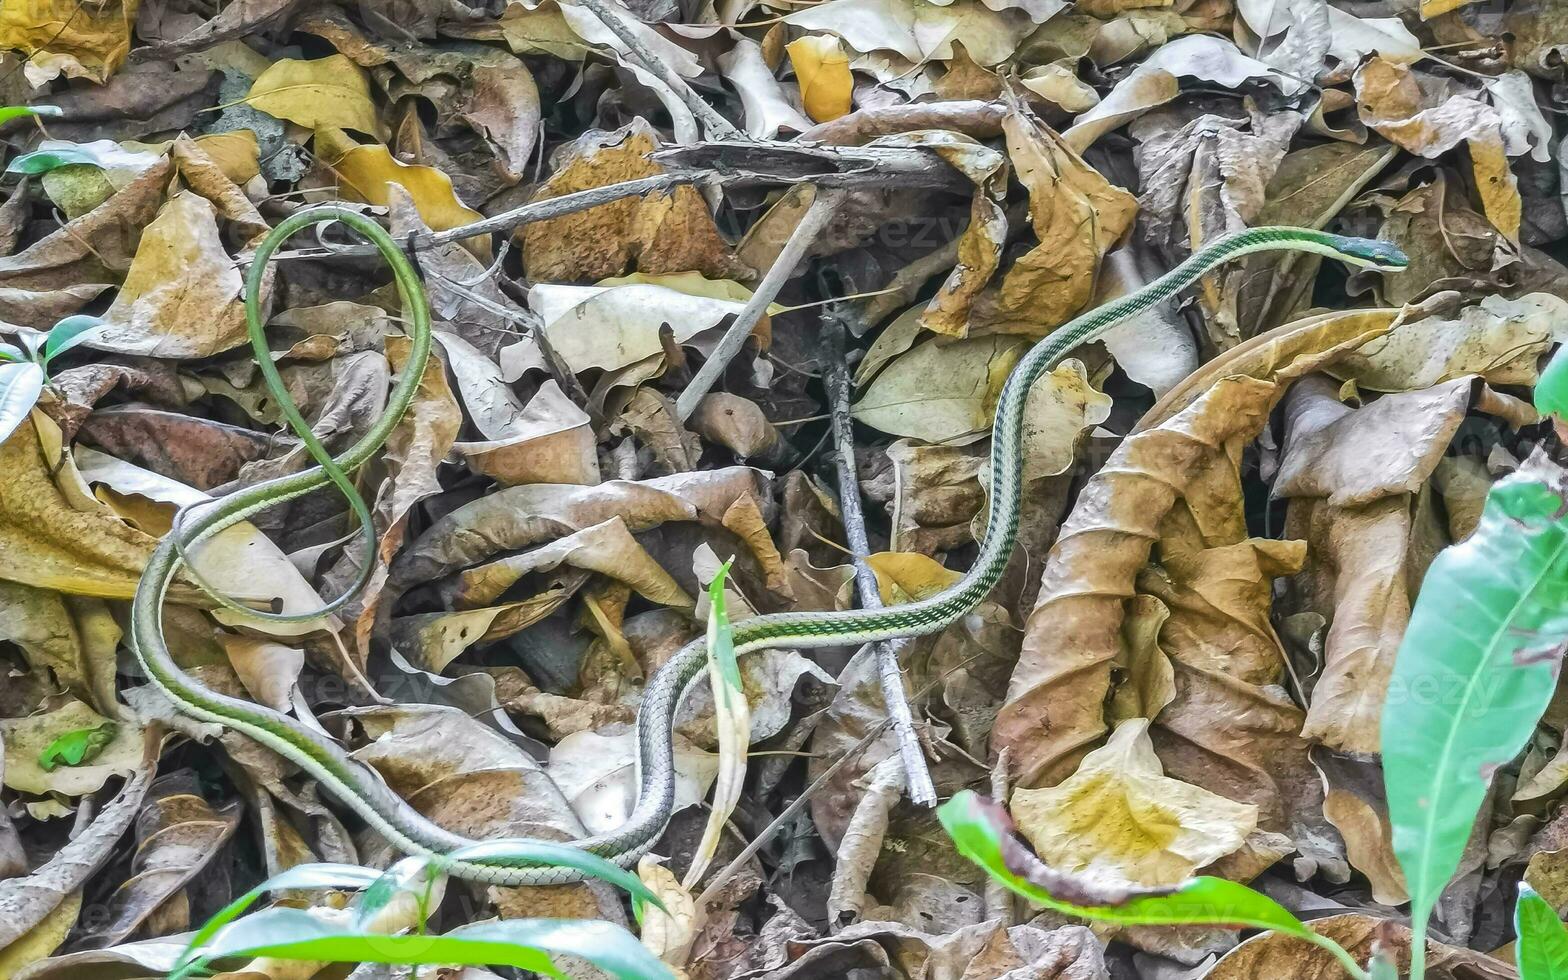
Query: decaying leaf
1120, 821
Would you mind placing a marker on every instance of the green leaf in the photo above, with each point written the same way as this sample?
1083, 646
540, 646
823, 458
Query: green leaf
11, 352
983, 833
76, 747
526, 944
1474, 673
10, 112
406, 875
721, 639
547, 854
1551, 389
106, 154
344, 877
20, 385
1542, 949
68, 333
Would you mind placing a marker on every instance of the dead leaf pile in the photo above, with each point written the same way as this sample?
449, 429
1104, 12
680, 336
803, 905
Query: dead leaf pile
647, 232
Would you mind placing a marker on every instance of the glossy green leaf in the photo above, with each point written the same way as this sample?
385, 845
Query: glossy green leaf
983, 833
1476, 668
546, 854
107, 154
1551, 389
11, 352
343, 877
21, 382
527, 944
68, 333
1542, 948
411, 874
10, 112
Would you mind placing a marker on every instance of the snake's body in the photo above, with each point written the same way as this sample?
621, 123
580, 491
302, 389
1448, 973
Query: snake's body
362, 790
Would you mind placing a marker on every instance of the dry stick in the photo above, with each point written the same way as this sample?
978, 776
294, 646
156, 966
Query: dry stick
842, 166
555, 207
998, 897
835, 376
718, 127
811, 224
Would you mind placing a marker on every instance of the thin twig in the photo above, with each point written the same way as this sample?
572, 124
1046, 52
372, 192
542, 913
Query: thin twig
835, 376
837, 167
811, 224
998, 898
717, 126
555, 207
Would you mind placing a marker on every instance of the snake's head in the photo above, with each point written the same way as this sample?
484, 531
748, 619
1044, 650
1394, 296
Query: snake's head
1372, 253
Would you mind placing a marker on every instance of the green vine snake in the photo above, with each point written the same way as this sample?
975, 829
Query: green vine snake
363, 790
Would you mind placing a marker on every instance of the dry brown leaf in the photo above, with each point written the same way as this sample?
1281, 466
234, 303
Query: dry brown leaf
58, 537
1353, 477
71, 636
660, 233
668, 934
1393, 103
179, 835
55, 276
550, 440
1077, 216
1272, 954
1053, 711
181, 296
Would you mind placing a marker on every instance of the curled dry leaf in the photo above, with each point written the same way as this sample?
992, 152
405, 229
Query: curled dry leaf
822, 68
1155, 486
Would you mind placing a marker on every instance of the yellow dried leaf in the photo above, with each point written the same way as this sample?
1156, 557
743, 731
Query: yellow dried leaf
1077, 216
330, 91
669, 935
80, 40
57, 537
364, 171
1120, 820
236, 153
904, 576
181, 297
822, 68
42, 939
1495, 182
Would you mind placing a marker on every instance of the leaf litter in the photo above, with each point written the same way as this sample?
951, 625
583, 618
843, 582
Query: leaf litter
1231, 504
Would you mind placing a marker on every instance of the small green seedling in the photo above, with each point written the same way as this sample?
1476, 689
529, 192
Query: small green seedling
528, 944
25, 368
77, 748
